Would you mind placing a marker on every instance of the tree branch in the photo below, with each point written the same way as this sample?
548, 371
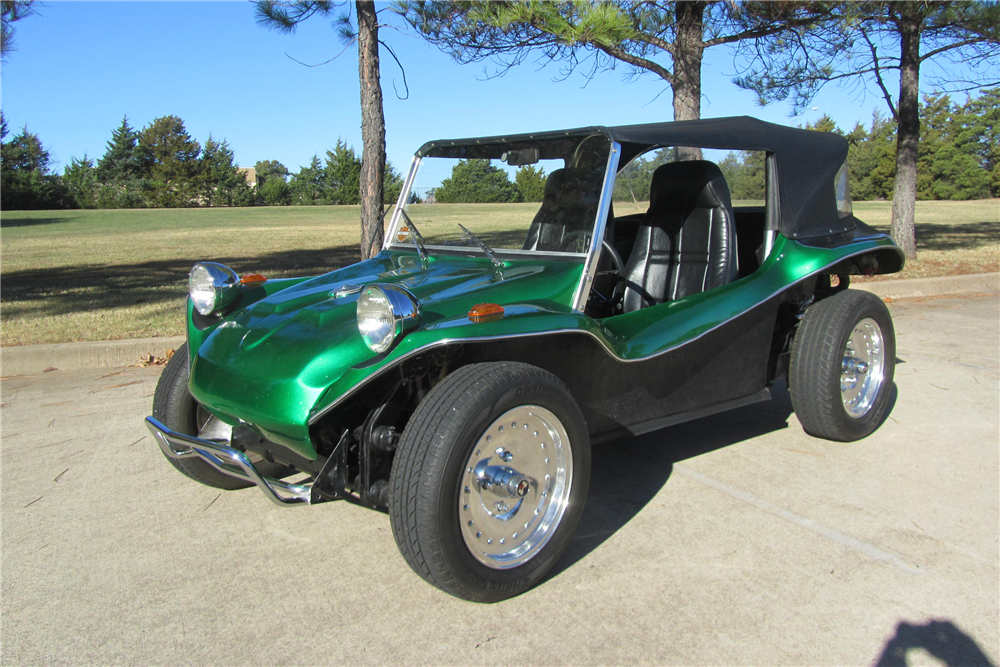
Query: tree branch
405, 84
635, 61
878, 74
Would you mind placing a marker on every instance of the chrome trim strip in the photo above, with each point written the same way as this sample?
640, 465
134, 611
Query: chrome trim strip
485, 339
594, 254
228, 461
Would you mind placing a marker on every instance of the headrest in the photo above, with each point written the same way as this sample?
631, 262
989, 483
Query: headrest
687, 185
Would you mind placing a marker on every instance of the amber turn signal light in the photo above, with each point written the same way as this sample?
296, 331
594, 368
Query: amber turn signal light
486, 312
252, 279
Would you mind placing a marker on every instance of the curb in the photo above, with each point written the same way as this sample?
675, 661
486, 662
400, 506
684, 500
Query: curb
976, 283
32, 359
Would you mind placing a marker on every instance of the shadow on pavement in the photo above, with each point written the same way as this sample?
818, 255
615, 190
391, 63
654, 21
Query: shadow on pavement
941, 639
627, 474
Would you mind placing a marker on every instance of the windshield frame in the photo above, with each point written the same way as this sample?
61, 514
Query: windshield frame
589, 257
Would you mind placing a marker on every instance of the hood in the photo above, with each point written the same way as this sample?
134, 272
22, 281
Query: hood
269, 363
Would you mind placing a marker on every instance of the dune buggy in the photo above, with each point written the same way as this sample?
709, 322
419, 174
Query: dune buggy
458, 379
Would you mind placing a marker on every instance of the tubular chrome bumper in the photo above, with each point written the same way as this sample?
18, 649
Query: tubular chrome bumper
228, 461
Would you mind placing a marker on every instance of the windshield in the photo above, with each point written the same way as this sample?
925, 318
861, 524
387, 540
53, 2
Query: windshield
519, 197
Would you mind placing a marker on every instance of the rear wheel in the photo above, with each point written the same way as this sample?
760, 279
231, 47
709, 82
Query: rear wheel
842, 362
489, 480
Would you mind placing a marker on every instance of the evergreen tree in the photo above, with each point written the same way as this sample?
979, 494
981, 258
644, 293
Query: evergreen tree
341, 176
947, 166
665, 39
172, 156
121, 161
982, 134
871, 160
633, 182
285, 16
393, 183
25, 178
477, 181
221, 183
80, 179
307, 185
745, 174
275, 192
10, 12
864, 41
268, 169
530, 182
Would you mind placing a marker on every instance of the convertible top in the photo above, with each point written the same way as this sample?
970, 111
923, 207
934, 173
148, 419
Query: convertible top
806, 162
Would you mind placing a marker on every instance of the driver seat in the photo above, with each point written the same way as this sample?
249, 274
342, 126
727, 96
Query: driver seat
686, 241
569, 204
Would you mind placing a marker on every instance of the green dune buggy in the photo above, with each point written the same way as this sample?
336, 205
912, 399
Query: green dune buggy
458, 379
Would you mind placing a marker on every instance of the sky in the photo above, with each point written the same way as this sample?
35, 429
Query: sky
79, 67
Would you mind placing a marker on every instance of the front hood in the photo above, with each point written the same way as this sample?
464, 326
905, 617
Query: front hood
269, 363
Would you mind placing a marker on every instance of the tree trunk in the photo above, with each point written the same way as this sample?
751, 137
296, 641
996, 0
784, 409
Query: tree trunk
904, 198
372, 131
690, 46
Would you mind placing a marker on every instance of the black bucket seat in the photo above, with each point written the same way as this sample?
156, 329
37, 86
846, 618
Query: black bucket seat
686, 243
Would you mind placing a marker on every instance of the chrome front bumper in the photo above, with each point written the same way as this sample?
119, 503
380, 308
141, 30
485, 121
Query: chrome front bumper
229, 461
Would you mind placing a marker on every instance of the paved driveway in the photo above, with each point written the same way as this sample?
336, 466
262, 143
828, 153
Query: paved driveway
736, 539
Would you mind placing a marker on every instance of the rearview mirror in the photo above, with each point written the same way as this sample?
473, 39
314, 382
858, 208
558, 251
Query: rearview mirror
520, 158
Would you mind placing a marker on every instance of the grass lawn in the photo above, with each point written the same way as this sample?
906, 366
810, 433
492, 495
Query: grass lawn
103, 275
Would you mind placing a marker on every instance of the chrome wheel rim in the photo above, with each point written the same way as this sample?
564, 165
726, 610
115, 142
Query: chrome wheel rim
862, 370
515, 487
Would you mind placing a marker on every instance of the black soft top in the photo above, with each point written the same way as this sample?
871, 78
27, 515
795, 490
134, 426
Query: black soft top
806, 161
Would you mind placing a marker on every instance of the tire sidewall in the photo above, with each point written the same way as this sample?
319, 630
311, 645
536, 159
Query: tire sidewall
815, 372
868, 422
506, 392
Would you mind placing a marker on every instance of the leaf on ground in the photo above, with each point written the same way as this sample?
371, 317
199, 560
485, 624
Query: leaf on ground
152, 360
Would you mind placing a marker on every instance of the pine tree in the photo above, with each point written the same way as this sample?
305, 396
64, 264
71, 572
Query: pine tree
307, 185
172, 156
342, 176
477, 182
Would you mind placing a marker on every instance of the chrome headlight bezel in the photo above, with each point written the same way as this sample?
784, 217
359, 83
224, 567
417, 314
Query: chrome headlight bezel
385, 313
212, 287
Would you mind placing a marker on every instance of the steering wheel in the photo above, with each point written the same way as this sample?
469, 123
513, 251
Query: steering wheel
619, 271
616, 259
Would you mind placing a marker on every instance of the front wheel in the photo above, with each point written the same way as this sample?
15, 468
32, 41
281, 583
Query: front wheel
489, 480
842, 362
174, 406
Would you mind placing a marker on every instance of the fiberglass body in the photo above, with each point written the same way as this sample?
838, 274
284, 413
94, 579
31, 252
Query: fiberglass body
590, 315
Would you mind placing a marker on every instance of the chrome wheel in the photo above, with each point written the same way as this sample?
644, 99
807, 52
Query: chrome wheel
515, 487
863, 369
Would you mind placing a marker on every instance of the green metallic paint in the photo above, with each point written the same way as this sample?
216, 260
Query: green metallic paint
284, 361
269, 364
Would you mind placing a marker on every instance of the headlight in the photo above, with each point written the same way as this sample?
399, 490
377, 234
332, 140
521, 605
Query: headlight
386, 312
212, 287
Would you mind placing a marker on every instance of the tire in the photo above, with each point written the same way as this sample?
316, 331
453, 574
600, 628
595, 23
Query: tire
842, 362
174, 406
491, 445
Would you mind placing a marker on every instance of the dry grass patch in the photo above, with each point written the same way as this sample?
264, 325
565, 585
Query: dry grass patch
102, 275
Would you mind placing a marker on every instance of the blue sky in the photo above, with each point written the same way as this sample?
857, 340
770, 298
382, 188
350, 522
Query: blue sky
80, 66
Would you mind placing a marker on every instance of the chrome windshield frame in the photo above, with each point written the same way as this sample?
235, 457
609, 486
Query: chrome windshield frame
600, 226
590, 258
404, 194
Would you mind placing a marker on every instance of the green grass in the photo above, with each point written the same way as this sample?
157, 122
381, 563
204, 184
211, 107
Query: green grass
103, 275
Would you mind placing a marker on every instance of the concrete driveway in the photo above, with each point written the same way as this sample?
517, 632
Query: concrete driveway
731, 540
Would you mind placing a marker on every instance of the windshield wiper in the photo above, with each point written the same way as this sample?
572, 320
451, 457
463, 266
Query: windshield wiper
479, 242
418, 240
